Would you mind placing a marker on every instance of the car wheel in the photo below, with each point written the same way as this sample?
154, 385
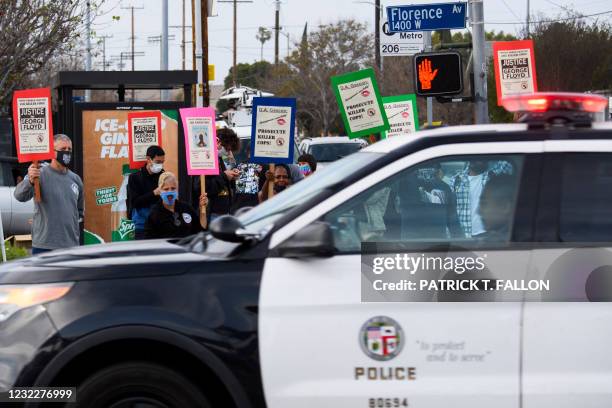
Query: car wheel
139, 385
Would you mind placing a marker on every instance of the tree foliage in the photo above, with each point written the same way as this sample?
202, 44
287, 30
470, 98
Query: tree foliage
333, 49
573, 55
32, 33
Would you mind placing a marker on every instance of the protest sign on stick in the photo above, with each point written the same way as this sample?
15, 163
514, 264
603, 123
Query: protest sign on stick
360, 103
514, 65
273, 132
33, 128
200, 147
144, 130
402, 114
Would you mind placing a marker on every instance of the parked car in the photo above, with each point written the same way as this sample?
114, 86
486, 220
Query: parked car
16, 216
331, 148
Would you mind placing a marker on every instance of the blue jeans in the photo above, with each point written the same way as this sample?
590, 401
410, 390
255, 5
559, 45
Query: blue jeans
36, 251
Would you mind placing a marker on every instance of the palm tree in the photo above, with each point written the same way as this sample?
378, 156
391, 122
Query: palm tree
263, 35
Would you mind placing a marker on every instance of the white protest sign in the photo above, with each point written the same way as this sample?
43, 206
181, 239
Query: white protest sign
515, 72
273, 130
402, 115
144, 130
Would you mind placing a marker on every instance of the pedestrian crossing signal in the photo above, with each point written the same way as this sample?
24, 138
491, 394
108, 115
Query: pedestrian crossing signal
438, 74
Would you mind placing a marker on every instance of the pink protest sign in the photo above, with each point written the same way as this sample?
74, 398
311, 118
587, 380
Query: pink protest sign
200, 141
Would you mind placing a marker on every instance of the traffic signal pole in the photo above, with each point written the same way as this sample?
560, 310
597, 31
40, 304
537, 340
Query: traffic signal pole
428, 48
480, 64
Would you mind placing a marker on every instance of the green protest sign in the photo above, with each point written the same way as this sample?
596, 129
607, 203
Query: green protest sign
402, 114
360, 103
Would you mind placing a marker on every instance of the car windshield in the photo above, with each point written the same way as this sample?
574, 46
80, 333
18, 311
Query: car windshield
328, 152
280, 204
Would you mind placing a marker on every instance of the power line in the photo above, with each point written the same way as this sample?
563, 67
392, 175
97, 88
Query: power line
550, 21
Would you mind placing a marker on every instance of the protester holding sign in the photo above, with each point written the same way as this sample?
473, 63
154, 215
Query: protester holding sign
57, 215
142, 189
171, 217
281, 177
220, 189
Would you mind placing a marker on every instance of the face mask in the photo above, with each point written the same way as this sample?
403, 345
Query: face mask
63, 157
279, 188
305, 169
169, 197
156, 167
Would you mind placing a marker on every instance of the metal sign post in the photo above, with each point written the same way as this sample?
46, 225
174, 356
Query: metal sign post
427, 43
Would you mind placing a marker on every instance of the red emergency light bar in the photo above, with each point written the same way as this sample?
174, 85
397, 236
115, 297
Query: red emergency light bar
555, 101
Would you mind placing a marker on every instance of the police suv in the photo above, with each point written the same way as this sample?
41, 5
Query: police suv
269, 309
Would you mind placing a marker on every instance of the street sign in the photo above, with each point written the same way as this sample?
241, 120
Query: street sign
438, 74
399, 44
515, 72
426, 17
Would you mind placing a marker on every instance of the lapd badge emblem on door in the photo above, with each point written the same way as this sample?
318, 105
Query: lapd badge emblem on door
381, 338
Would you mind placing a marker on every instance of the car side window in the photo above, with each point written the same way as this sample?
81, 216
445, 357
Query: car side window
450, 199
586, 198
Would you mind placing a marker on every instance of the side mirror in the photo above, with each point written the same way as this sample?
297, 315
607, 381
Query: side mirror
225, 228
315, 239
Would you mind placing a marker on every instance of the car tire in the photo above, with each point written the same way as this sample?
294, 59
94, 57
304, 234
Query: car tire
139, 384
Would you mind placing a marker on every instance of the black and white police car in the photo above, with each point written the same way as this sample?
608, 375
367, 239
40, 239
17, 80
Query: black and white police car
267, 310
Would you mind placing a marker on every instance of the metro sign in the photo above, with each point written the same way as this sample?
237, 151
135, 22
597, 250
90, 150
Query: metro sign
438, 74
426, 17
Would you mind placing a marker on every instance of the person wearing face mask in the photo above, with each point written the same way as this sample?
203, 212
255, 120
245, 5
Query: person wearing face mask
143, 190
171, 217
221, 189
56, 217
307, 163
281, 178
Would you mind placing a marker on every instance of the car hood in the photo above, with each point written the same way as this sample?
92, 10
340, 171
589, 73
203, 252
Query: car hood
104, 261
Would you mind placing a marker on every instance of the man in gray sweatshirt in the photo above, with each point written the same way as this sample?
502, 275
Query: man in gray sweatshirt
57, 215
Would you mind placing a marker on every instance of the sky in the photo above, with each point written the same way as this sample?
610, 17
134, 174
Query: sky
506, 15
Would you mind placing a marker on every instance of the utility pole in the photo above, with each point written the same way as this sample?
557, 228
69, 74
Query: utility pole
205, 85
528, 22
88, 59
164, 94
164, 36
276, 29
133, 37
377, 32
183, 37
198, 49
234, 69
480, 64
194, 92
103, 39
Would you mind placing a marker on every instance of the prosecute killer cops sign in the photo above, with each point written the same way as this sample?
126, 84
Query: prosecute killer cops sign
273, 130
360, 103
402, 114
144, 130
33, 126
515, 72
200, 141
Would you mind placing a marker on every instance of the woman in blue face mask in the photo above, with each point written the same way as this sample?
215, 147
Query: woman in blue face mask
171, 217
